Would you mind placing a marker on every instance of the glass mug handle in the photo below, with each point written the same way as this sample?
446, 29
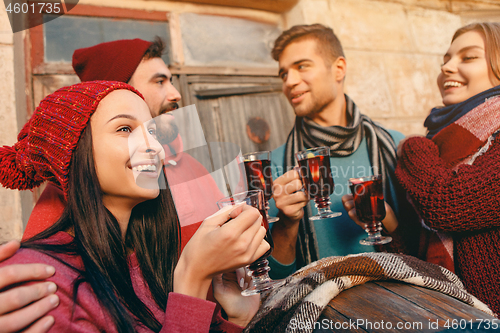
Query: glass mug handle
303, 189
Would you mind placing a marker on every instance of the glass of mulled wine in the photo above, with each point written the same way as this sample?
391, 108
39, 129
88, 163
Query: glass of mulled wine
259, 269
259, 177
368, 196
316, 175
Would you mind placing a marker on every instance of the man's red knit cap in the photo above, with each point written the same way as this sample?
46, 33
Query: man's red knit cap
110, 61
47, 141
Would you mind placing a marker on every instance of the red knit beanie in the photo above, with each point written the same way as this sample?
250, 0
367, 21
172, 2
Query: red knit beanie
46, 143
111, 61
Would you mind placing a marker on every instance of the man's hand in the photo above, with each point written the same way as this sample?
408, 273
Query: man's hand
390, 221
289, 198
24, 307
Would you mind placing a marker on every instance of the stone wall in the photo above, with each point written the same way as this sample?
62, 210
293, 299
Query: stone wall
394, 49
10, 201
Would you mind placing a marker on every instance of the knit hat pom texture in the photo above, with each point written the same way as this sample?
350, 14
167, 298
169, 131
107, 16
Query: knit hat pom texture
46, 143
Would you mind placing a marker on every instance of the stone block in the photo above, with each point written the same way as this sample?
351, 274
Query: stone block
444, 5
481, 16
407, 126
11, 226
8, 118
366, 83
412, 83
432, 30
10, 205
370, 25
6, 35
307, 12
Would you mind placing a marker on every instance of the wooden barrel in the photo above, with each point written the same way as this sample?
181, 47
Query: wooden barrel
399, 307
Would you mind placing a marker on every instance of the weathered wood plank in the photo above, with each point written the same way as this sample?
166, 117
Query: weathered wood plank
263, 71
212, 93
383, 305
377, 309
441, 305
237, 79
333, 321
276, 6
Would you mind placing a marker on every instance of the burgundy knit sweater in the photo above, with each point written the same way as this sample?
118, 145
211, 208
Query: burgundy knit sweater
464, 203
183, 313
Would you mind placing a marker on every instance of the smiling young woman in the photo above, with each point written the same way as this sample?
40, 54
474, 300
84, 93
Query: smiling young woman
466, 69
116, 248
452, 176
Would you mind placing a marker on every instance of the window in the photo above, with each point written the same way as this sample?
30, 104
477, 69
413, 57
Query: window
210, 40
64, 35
53, 43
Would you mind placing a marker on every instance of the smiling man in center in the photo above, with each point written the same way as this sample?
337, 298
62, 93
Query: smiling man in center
313, 67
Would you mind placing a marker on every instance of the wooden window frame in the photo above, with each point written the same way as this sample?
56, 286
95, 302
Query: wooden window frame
37, 49
34, 53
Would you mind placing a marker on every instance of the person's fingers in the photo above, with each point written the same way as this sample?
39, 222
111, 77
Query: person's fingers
237, 210
217, 280
297, 197
294, 211
288, 177
24, 272
223, 215
348, 202
262, 245
249, 217
241, 277
284, 190
256, 243
347, 197
7, 250
247, 236
248, 243
285, 204
352, 214
19, 297
41, 325
17, 320
293, 187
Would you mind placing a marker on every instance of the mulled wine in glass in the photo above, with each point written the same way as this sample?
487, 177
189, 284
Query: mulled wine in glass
259, 269
259, 177
316, 175
370, 207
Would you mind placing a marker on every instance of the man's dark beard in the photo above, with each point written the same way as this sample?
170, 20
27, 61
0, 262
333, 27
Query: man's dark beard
169, 107
166, 134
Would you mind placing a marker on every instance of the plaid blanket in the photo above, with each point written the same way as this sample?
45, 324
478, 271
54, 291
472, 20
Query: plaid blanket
308, 291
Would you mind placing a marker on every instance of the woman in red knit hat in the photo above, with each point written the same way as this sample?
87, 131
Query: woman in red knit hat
116, 247
453, 175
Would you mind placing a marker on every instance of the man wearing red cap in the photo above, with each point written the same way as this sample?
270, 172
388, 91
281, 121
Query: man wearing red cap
138, 63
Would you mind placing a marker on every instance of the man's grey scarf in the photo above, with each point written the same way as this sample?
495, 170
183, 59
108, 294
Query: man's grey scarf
343, 141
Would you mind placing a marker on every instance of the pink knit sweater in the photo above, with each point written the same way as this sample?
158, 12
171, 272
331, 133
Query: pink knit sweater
183, 313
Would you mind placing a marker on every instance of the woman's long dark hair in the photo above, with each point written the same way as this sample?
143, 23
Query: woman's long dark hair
153, 233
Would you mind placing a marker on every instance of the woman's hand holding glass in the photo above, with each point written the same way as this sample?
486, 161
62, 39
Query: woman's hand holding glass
227, 291
225, 241
390, 221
